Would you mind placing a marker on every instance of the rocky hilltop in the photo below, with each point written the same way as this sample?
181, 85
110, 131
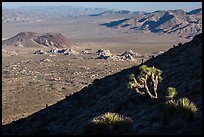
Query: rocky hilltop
32, 39
184, 24
182, 69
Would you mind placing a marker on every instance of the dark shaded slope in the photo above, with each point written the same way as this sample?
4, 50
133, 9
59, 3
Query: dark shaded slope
154, 24
195, 11
181, 68
114, 23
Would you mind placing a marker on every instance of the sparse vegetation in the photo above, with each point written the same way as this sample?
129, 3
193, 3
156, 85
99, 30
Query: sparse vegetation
182, 107
109, 123
148, 76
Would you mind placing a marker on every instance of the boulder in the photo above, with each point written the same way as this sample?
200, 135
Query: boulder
52, 50
128, 52
40, 52
70, 52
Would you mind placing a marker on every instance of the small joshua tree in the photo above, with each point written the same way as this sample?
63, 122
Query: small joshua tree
147, 75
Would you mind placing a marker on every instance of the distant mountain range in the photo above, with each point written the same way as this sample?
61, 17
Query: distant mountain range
32, 13
117, 12
179, 22
185, 24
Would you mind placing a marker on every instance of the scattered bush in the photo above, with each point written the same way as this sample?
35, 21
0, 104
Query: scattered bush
169, 109
186, 107
147, 75
171, 92
177, 108
109, 123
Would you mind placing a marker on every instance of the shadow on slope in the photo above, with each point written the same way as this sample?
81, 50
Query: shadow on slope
114, 23
154, 24
182, 69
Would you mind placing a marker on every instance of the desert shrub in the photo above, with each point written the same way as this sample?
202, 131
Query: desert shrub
169, 109
186, 107
147, 75
171, 93
182, 107
109, 123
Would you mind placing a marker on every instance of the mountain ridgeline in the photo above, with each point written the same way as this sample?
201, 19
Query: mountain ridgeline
179, 22
184, 24
181, 68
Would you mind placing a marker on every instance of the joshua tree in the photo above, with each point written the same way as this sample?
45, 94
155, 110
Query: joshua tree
147, 75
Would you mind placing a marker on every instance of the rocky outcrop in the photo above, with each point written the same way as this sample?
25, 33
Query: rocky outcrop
126, 56
65, 51
70, 52
40, 52
103, 54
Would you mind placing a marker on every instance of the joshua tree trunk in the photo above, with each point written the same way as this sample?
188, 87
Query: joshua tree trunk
140, 92
147, 90
155, 83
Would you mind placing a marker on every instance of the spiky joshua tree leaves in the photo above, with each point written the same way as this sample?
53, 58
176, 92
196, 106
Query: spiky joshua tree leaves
147, 75
187, 107
109, 123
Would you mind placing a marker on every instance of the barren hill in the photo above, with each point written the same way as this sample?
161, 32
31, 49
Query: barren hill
32, 39
182, 69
